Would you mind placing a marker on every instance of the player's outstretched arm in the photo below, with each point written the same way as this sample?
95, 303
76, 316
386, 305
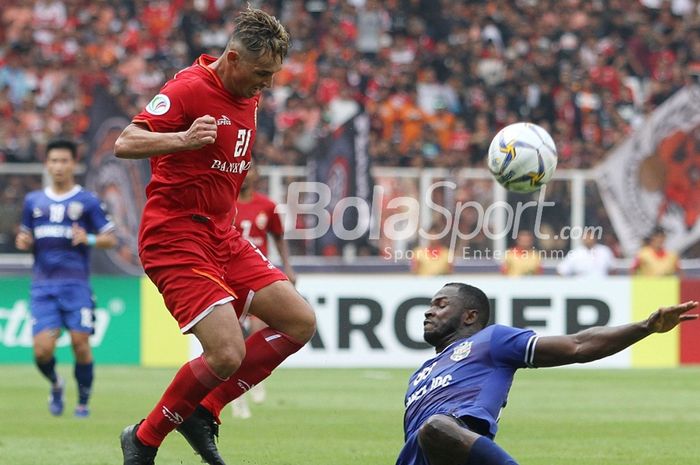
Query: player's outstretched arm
136, 142
602, 341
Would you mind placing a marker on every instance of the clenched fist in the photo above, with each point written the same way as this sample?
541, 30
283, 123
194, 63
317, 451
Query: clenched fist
202, 132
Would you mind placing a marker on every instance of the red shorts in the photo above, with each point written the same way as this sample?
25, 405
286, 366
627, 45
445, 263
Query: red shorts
193, 277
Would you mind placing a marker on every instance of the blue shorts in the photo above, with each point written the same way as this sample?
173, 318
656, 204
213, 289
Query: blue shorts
66, 305
411, 454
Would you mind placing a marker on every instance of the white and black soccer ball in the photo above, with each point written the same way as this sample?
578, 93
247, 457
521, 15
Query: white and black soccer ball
522, 157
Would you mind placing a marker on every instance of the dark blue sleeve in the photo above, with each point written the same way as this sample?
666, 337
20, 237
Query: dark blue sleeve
97, 218
513, 347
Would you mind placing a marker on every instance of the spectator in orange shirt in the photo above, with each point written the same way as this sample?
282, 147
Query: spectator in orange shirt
443, 121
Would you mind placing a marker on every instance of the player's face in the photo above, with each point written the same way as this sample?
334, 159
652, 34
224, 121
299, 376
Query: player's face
251, 74
444, 317
60, 165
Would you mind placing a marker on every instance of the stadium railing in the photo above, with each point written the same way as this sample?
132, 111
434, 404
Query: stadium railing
489, 219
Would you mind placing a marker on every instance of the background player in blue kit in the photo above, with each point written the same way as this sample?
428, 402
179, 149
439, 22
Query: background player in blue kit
454, 400
59, 225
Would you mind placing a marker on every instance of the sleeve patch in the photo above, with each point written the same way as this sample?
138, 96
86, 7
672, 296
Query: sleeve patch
159, 105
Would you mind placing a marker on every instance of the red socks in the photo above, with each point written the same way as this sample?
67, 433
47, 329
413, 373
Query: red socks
195, 382
191, 384
265, 350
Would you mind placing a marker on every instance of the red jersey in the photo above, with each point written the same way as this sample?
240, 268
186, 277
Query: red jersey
257, 218
197, 183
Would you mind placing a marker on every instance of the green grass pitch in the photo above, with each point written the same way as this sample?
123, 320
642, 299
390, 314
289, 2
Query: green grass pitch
346, 417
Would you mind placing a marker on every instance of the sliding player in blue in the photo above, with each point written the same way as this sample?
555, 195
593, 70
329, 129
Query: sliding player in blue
454, 400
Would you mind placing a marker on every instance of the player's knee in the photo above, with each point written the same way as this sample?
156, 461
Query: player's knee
82, 353
42, 356
306, 326
42, 353
82, 349
303, 326
224, 361
439, 432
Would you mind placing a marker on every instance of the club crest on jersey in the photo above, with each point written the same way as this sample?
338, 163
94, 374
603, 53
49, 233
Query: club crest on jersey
75, 210
462, 351
159, 105
261, 220
36, 213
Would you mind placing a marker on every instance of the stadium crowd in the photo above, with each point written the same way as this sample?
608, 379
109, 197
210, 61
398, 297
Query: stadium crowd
438, 78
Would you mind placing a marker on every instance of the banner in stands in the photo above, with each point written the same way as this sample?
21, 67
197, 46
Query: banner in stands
117, 327
342, 162
653, 176
119, 183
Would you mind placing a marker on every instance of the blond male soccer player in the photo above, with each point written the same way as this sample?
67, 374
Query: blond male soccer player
198, 133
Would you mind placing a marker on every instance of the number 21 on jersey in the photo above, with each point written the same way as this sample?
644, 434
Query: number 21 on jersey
242, 141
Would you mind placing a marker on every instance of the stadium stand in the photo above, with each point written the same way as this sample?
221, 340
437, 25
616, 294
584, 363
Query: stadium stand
436, 80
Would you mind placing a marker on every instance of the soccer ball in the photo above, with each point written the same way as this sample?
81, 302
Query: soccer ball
522, 157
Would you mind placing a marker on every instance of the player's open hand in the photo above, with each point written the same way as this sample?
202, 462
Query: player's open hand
667, 318
202, 132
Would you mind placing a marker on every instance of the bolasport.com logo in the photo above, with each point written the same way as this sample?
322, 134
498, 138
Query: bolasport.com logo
312, 212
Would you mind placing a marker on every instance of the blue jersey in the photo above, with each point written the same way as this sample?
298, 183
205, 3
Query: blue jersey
470, 378
49, 217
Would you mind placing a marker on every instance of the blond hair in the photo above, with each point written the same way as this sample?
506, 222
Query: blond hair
259, 33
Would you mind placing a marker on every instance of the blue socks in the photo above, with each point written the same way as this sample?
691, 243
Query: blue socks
486, 452
48, 369
84, 375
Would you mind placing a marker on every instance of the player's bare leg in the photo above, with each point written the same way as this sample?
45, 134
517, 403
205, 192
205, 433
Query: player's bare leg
224, 355
445, 441
44, 348
291, 324
264, 351
282, 308
222, 340
83, 371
